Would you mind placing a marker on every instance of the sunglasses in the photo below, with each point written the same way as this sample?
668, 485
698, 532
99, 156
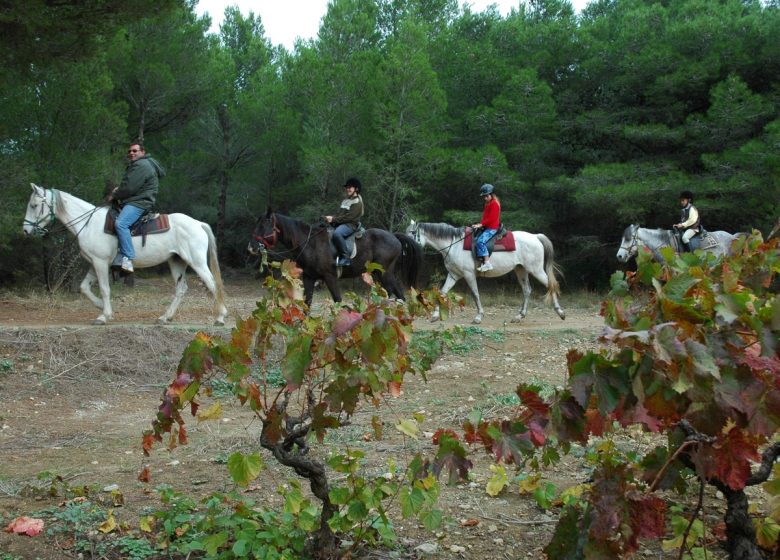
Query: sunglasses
132, 151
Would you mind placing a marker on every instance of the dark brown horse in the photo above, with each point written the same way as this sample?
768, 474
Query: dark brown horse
309, 246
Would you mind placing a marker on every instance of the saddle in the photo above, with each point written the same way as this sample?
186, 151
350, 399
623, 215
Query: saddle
148, 224
503, 240
702, 240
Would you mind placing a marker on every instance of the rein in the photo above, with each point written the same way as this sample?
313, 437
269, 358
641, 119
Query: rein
51, 217
444, 251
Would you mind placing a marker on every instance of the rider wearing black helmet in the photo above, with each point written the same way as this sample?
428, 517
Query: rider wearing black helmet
491, 221
689, 219
347, 219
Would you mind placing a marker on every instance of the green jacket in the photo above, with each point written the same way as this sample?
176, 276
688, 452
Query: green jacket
140, 183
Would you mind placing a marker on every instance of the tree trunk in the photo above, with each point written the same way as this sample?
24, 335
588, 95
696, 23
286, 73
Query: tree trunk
224, 180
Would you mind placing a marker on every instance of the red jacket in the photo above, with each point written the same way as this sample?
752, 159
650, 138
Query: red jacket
491, 215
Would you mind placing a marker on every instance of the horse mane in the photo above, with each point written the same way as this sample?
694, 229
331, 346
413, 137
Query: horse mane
442, 230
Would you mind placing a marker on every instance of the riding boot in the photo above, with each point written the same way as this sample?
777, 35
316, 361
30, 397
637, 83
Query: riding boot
686, 247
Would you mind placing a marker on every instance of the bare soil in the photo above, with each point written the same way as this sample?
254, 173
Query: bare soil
75, 398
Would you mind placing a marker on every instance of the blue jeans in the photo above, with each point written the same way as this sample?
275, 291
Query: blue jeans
484, 237
127, 217
339, 239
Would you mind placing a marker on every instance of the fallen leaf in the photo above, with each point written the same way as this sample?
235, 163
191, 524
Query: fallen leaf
29, 526
471, 522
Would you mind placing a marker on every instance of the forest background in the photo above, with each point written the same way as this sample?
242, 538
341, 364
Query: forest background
585, 122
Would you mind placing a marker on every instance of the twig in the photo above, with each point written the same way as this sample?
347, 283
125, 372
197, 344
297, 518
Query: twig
67, 370
668, 463
694, 515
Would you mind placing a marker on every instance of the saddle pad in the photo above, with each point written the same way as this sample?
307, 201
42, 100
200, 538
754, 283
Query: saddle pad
506, 243
157, 224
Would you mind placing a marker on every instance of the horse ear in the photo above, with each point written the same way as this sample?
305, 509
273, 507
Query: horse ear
35, 187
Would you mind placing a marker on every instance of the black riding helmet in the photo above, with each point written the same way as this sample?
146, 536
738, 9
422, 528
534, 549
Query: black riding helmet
688, 195
353, 182
486, 189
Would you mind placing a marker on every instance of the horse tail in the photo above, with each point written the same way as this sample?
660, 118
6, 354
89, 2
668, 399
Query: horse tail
214, 265
411, 259
550, 268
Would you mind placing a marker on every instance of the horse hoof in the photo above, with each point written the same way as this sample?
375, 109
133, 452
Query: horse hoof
518, 318
477, 320
163, 321
99, 321
562, 315
219, 323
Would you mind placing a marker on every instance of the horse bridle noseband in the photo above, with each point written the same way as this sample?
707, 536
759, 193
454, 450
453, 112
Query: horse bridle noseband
50, 218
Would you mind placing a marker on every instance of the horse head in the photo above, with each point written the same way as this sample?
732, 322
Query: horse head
629, 245
40, 211
265, 234
417, 232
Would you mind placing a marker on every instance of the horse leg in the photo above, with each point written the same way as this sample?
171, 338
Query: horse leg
179, 273
333, 286
448, 284
390, 283
525, 284
101, 272
202, 270
471, 280
308, 290
86, 288
552, 295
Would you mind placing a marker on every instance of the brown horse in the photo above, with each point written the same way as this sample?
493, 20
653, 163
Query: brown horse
309, 246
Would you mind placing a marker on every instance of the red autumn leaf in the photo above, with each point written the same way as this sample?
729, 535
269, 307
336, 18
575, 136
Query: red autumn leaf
441, 432
471, 522
30, 526
145, 475
729, 458
647, 516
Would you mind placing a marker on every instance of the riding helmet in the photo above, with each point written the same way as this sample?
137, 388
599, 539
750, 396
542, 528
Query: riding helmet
353, 182
487, 188
688, 195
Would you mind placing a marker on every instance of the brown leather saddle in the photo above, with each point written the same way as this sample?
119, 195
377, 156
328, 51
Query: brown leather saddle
148, 224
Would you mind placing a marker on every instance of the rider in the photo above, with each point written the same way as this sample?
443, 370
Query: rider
689, 219
347, 219
491, 221
135, 196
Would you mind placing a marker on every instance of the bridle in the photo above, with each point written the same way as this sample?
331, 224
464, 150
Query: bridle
269, 239
37, 225
444, 251
51, 217
633, 248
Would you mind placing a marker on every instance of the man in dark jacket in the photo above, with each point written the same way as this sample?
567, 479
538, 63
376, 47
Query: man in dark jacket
135, 196
347, 219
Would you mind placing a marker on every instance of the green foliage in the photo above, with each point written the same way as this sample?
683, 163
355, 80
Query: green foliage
353, 354
228, 526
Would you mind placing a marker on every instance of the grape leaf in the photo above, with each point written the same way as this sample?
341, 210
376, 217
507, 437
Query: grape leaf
452, 457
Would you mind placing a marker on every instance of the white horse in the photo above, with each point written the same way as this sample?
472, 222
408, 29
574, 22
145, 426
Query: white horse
716, 242
533, 255
188, 242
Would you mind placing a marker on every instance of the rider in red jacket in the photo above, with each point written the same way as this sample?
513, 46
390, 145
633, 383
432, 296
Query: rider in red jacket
491, 221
